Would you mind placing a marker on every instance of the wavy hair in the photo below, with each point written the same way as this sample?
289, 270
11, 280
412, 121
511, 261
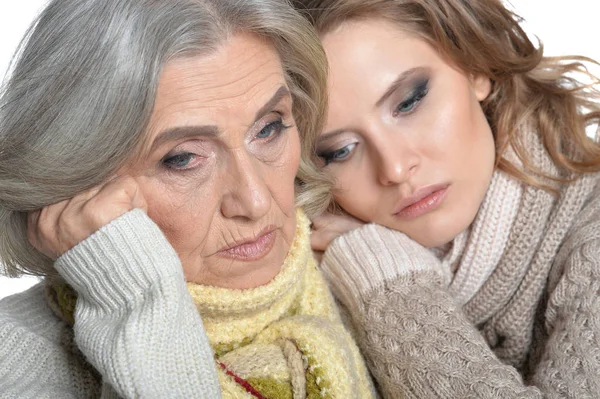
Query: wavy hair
555, 96
76, 106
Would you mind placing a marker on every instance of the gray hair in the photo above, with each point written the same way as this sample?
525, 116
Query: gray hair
80, 95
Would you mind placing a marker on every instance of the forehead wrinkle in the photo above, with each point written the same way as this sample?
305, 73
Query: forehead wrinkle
241, 64
230, 80
216, 93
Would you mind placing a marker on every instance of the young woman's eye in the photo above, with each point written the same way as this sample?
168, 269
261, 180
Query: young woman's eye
338, 155
181, 161
409, 104
272, 130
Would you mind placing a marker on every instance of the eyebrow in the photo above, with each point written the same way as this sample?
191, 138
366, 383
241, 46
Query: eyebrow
399, 82
275, 99
328, 135
181, 132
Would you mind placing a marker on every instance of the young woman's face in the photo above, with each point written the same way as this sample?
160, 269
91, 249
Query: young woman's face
406, 139
224, 152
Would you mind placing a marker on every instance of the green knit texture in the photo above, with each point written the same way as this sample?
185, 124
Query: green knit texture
317, 386
271, 388
66, 298
223, 348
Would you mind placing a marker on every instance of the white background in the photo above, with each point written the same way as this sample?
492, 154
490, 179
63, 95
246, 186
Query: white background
565, 27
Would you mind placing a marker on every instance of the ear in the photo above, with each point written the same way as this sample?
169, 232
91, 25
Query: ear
482, 86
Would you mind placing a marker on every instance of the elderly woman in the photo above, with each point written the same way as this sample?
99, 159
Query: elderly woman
148, 152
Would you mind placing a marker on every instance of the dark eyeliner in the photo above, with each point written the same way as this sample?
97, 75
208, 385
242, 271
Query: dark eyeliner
331, 156
420, 90
327, 157
171, 157
279, 128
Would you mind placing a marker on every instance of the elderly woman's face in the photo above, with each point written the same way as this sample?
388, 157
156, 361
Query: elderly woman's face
224, 151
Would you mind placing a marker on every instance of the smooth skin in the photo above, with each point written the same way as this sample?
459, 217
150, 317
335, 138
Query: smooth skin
401, 119
217, 170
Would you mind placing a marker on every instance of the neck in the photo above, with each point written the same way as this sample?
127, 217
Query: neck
233, 316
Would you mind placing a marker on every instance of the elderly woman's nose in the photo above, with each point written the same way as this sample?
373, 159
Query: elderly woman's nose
247, 194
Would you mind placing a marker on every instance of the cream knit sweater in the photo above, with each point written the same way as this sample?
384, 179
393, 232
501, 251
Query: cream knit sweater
136, 324
138, 331
526, 327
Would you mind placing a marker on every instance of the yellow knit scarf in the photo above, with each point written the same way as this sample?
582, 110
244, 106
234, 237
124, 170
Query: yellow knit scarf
281, 340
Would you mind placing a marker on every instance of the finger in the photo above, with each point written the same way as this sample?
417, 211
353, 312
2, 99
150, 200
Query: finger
116, 198
322, 221
320, 240
86, 195
138, 200
338, 222
42, 228
318, 255
32, 223
316, 243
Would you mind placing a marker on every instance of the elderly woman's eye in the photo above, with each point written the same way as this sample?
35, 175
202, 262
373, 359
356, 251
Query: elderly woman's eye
272, 130
339, 155
179, 161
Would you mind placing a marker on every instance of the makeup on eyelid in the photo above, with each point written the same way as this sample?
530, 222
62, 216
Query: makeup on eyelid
417, 94
343, 151
333, 153
418, 122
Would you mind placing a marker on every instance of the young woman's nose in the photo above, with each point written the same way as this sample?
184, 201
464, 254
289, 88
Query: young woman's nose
247, 194
396, 163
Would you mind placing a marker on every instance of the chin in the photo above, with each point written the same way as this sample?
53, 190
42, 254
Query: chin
434, 234
253, 280
430, 241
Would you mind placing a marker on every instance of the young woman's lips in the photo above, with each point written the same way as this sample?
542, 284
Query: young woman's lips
423, 201
252, 250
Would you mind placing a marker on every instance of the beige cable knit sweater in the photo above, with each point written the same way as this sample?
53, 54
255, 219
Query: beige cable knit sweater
530, 328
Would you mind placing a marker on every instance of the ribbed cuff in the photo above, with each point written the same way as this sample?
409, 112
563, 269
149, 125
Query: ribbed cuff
120, 262
365, 258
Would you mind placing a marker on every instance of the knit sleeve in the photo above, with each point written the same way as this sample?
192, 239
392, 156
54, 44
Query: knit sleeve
37, 359
134, 319
571, 360
416, 340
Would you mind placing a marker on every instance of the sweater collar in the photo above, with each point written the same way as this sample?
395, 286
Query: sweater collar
232, 316
474, 254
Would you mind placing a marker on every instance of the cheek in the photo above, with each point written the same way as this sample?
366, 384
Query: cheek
458, 136
474, 147
181, 211
356, 189
281, 175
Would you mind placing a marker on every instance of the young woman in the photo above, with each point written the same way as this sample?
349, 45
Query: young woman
148, 157
469, 237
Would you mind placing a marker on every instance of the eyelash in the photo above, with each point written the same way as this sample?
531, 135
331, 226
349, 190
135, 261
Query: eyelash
414, 99
330, 156
277, 125
274, 128
418, 93
169, 162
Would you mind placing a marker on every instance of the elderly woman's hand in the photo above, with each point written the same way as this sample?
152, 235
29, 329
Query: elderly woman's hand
56, 228
328, 227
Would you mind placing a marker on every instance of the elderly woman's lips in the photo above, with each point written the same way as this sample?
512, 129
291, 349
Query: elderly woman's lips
252, 250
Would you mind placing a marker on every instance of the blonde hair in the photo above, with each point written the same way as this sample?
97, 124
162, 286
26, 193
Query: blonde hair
482, 37
76, 106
